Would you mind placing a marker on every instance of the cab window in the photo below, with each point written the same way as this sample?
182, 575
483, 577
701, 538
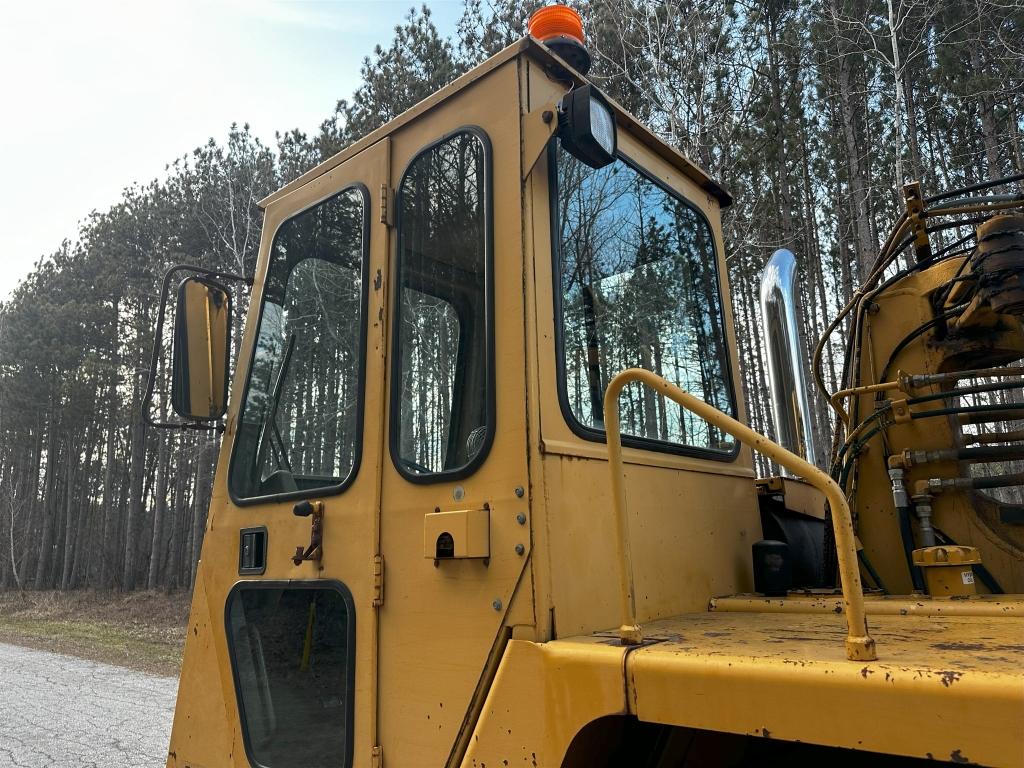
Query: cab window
299, 429
636, 287
442, 411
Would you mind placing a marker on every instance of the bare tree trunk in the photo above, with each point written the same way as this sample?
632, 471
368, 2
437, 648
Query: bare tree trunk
69, 522
159, 505
987, 113
136, 478
858, 188
173, 568
46, 536
137, 464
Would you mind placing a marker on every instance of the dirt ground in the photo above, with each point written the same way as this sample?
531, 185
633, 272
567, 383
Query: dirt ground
139, 630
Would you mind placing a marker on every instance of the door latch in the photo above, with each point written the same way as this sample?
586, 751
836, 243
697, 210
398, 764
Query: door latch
315, 550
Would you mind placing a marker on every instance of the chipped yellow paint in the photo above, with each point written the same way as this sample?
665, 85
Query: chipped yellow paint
944, 686
949, 688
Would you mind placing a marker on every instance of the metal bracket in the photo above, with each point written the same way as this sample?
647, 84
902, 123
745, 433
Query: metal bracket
385, 205
538, 128
901, 412
315, 550
915, 213
378, 581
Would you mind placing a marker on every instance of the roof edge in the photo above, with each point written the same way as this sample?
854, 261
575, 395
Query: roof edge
540, 52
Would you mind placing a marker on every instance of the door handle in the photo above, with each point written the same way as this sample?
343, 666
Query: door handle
315, 550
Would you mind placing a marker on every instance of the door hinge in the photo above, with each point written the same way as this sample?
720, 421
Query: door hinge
385, 205
378, 581
376, 757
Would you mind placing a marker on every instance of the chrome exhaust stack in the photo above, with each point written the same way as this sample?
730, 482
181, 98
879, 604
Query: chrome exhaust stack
786, 369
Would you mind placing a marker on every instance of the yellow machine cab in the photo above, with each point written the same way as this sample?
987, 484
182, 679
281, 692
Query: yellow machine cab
486, 496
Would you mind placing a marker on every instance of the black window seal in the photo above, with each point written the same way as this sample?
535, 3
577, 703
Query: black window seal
350, 677
599, 435
357, 450
489, 356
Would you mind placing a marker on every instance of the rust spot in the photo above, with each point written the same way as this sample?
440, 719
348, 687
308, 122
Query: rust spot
948, 678
865, 672
837, 609
956, 757
717, 634
376, 281
766, 733
959, 646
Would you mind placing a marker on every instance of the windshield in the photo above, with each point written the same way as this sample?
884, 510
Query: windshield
638, 288
299, 426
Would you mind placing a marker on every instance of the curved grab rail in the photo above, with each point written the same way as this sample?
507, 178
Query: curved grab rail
859, 644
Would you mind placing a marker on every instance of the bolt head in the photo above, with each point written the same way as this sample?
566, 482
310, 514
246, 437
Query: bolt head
496, 605
520, 492
520, 549
521, 518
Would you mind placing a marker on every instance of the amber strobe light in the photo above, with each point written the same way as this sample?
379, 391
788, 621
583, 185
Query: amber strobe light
561, 29
586, 125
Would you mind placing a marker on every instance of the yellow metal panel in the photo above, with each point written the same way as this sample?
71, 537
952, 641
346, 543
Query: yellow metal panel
693, 525
205, 733
350, 519
543, 694
947, 688
441, 626
799, 495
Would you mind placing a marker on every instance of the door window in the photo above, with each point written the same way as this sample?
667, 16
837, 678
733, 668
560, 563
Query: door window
292, 651
300, 426
443, 411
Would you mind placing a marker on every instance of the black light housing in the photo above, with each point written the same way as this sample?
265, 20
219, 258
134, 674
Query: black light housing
586, 125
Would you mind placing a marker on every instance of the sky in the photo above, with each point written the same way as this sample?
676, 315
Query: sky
99, 94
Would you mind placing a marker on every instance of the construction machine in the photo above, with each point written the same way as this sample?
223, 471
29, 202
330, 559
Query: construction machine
486, 495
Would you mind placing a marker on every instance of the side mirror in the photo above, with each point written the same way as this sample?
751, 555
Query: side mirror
202, 327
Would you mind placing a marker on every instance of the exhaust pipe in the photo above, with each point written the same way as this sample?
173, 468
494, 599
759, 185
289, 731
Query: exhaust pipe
790, 405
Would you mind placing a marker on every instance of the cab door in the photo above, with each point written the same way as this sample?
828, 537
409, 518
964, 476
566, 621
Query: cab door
455, 532
304, 478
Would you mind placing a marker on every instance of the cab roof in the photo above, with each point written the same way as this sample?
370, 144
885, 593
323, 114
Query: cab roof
537, 51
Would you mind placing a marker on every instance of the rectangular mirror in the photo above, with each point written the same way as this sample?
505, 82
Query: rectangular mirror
202, 324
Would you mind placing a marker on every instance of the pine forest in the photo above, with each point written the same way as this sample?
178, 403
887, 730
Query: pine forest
813, 115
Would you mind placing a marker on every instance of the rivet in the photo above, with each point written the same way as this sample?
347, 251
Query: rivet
496, 605
519, 491
520, 549
547, 115
521, 518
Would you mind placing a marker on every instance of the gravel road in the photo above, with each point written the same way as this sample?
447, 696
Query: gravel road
58, 711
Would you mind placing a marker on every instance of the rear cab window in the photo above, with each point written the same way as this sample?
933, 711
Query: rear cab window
636, 286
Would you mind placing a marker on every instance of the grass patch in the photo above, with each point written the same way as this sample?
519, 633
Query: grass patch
143, 631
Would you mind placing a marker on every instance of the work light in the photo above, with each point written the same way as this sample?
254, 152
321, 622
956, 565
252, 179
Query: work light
586, 126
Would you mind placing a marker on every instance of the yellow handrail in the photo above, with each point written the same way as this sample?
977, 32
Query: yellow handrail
859, 644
